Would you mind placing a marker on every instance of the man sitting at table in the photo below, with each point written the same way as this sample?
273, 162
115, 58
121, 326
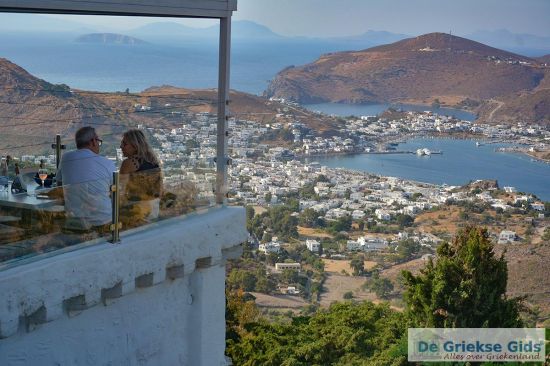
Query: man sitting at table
86, 177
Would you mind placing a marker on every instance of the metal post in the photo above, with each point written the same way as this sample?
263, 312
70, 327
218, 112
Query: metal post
223, 94
58, 147
115, 225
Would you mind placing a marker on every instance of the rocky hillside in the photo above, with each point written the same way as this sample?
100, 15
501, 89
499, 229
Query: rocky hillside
33, 111
415, 70
31, 106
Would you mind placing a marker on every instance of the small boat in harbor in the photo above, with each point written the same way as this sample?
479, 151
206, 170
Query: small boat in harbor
423, 152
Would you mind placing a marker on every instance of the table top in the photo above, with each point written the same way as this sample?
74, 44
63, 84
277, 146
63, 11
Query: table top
26, 200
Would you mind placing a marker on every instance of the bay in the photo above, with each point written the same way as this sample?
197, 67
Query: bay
462, 161
343, 110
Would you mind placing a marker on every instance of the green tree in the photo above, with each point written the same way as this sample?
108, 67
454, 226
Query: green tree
266, 237
290, 276
308, 218
342, 224
282, 222
546, 234
293, 204
268, 197
348, 295
345, 334
407, 249
357, 265
416, 196
249, 213
241, 279
307, 191
465, 288
347, 193
191, 144
382, 287
322, 178
404, 220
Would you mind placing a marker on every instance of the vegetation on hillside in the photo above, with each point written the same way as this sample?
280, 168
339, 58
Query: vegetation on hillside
464, 287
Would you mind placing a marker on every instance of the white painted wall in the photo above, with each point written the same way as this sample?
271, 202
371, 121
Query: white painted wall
162, 321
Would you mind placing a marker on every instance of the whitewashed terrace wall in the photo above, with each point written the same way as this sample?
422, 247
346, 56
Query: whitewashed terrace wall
157, 298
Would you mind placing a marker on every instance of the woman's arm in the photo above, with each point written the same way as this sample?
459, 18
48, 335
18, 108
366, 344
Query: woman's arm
128, 166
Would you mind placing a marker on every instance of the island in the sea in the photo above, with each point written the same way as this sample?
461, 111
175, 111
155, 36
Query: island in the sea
109, 38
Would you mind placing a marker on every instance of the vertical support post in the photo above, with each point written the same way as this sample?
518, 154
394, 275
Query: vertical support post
115, 191
223, 101
58, 147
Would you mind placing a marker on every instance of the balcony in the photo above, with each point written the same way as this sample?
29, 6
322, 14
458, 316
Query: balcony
157, 297
147, 284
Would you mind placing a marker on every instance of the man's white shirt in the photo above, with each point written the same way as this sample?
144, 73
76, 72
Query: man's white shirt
86, 178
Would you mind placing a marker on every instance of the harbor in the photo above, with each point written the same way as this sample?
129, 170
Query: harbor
419, 152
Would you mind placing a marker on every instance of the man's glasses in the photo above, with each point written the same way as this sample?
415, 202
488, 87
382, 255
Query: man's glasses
99, 141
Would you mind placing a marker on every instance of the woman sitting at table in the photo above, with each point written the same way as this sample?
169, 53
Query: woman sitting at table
141, 179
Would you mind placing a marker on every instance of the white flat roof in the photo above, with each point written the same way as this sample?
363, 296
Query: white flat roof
157, 8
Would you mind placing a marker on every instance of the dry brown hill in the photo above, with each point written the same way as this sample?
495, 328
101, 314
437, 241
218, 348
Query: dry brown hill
415, 70
33, 111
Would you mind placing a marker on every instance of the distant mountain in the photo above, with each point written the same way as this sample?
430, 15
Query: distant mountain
373, 38
164, 29
240, 29
109, 38
415, 70
248, 29
524, 44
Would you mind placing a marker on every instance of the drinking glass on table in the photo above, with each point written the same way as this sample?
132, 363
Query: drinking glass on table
4, 183
42, 174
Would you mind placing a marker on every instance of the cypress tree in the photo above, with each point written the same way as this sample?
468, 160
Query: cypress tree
464, 288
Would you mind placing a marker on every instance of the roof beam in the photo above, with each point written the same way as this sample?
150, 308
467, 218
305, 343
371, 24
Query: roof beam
157, 8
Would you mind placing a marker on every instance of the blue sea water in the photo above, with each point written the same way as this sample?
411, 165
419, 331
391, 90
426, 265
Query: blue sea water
57, 58
461, 162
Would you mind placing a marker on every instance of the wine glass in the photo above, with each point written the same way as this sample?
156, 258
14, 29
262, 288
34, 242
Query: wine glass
4, 183
42, 174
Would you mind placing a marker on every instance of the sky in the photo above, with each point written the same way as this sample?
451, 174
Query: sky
323, 18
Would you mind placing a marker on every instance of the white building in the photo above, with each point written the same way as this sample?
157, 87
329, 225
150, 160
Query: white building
357, 214
382, 215
313, 245
507, 236
352, 245
372, 244
283, 266
367, 244
539, 206
411, 210
271, 247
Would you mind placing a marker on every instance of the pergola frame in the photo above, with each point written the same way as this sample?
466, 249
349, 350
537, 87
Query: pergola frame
211, 9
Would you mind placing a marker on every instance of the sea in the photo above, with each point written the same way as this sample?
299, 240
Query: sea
57, 58
461, 161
